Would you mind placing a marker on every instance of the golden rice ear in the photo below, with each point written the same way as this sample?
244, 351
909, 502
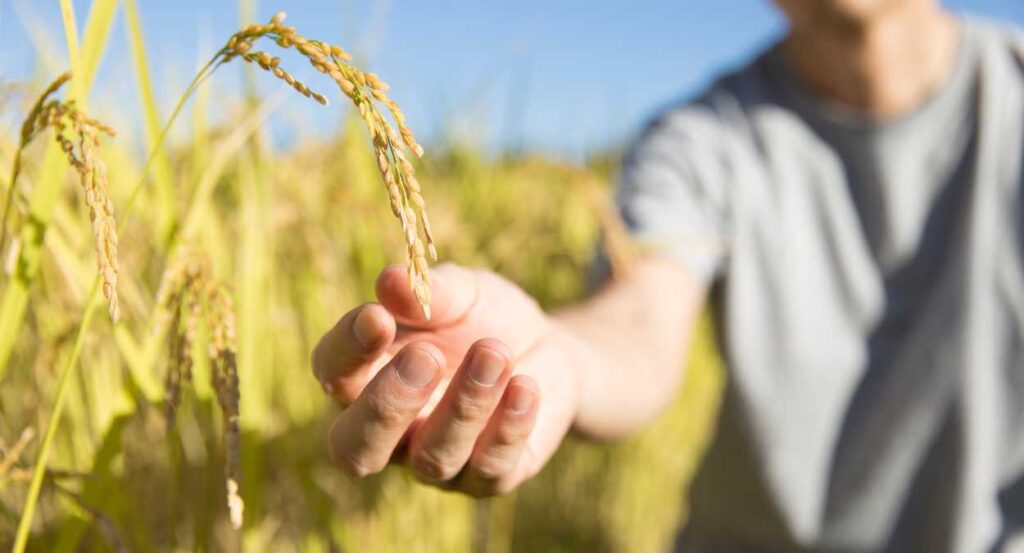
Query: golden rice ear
221, 319
365, 90
92, 173
190, 295
77, 134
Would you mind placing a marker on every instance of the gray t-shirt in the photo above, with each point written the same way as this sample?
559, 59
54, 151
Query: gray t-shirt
868, 281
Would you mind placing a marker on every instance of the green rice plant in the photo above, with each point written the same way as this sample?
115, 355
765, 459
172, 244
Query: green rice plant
363, 88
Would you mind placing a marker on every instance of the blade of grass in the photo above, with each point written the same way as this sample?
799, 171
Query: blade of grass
94, 42
15, 296
163, 179
67, 14
39, 472
200, 133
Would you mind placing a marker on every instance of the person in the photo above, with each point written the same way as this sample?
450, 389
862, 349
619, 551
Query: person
849, 203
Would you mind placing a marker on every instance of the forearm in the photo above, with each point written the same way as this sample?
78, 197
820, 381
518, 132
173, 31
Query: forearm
629, 343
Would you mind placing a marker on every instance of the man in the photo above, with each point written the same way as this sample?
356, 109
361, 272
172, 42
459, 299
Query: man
851, 204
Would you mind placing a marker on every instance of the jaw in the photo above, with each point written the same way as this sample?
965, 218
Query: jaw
850, 15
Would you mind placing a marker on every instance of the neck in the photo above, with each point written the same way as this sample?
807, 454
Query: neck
884, 67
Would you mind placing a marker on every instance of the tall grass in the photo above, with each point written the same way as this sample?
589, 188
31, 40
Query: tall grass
302, 234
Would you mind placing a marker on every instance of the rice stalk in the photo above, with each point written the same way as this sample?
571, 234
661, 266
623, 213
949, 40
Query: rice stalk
225, 383
15, 297
29, 130
40, 470
78, 137
188, 296
30, 243
365, 90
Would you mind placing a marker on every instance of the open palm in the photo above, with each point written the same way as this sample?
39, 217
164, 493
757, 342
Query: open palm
458, 397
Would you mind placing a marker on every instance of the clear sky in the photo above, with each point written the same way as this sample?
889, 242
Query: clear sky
563, 76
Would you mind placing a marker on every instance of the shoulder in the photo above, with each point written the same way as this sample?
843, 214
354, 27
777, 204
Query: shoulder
718, 111
999, 41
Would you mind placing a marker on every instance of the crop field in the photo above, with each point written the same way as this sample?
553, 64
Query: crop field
157, 311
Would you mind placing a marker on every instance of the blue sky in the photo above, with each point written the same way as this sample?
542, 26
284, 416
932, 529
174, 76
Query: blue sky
562, 76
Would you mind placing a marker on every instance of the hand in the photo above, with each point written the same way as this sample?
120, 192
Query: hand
476, 399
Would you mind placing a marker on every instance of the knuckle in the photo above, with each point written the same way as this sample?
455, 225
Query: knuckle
432, 467
383, 412
511, 434
467, 410
490, 469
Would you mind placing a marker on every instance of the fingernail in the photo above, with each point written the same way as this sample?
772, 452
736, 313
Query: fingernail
486, 366
365, 328
416, 368
520, 399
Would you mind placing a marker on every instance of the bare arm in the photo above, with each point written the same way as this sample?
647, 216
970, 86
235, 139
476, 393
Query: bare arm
633, 339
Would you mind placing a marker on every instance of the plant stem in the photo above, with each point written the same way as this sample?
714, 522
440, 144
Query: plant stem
10, 198
39, 471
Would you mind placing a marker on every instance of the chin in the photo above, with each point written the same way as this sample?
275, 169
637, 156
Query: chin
853, 13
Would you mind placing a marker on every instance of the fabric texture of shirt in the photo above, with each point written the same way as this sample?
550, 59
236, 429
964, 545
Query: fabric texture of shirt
868, 284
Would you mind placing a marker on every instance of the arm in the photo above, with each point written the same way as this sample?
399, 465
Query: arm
478, 398
632, 341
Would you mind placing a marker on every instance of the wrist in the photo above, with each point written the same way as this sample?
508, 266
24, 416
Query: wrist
580, 361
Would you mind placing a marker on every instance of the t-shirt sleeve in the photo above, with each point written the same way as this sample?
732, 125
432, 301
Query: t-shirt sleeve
673, 194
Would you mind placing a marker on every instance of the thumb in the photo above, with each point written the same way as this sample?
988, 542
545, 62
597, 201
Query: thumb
454, 291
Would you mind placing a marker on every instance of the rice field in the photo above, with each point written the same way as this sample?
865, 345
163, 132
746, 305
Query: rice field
157, 312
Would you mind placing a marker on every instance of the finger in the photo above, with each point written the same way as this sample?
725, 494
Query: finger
495, 466
349, 354
454, 292
441, 447
365, 435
